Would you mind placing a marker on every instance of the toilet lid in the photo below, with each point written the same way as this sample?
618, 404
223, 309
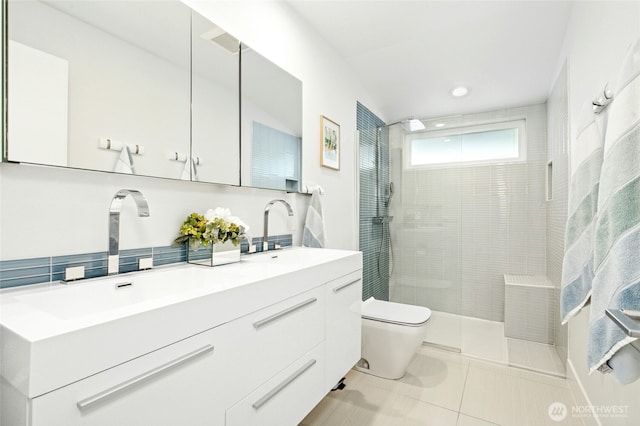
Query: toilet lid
396, 313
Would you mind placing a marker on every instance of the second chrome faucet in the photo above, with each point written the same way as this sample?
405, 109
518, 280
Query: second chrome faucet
265, 237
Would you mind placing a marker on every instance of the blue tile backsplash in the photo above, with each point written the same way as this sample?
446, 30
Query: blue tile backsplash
14, 273
372, 177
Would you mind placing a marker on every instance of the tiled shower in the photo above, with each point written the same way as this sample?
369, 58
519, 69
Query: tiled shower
375, 253
458, 230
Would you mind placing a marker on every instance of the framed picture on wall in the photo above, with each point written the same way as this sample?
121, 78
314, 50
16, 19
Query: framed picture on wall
329, 143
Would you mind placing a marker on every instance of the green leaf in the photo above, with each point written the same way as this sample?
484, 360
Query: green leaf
180, 241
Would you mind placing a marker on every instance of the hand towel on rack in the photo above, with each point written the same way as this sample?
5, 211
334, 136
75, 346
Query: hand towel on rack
313, 234
125, 162
577, 264
616, 254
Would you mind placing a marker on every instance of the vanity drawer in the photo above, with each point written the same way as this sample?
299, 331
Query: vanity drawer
267, 341
286, 398
177, 384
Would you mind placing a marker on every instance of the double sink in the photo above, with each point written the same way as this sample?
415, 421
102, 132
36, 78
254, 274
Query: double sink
54, 334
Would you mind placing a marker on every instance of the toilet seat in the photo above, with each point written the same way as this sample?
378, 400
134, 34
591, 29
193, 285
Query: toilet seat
395, 313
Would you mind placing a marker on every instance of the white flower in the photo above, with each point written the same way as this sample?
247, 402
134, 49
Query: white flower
218, 213
225, 214
239, 222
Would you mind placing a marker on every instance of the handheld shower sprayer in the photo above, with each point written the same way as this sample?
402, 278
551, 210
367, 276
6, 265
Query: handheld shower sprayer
390, 190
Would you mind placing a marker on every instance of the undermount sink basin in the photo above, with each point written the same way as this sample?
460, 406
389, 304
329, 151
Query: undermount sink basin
109, 293
292, 256
121, 293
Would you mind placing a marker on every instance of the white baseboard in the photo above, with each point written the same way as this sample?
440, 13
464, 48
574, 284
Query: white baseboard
580, 395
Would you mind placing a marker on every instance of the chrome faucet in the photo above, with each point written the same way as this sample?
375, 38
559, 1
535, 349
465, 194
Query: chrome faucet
265, 239
114, 224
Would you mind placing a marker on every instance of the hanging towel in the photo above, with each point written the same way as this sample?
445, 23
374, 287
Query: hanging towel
187, 169
194, 170
616, 255
125, 162
313, 234
577, 264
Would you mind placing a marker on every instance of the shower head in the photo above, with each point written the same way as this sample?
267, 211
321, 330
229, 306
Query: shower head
413, 124
410, 124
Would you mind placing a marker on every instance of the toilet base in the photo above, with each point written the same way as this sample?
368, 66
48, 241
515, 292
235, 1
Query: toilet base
376, 373
388, 348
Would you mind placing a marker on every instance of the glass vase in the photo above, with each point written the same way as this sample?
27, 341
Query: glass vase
214, 255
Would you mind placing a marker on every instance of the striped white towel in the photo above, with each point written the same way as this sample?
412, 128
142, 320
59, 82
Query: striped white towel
314, 234
577, 264
616, 254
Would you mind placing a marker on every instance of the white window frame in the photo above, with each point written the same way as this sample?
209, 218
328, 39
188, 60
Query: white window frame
519, 124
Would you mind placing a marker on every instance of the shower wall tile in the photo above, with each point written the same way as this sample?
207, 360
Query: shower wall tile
558, 153
464, 227
372, 177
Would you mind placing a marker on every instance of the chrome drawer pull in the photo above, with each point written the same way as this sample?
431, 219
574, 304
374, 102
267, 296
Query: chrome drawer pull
273, 392
273, 317
85, 403
343, 286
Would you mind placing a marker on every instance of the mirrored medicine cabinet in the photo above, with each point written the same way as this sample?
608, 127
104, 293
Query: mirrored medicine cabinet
147, 88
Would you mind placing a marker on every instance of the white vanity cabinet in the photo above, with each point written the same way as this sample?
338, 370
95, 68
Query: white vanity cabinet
259, 343
176, 385
343, 326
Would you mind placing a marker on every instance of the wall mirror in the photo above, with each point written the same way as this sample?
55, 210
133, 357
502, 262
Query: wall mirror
271, 124
215, 149
148, 88
106, 85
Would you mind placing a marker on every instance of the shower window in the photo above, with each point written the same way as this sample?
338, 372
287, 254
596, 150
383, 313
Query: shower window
475, 145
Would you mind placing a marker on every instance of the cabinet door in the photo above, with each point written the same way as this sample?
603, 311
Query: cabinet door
286, 398
343, 326
267, 341
179, 384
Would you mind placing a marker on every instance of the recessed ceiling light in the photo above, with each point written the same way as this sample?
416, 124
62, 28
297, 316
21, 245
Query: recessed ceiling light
439, 124
460, 91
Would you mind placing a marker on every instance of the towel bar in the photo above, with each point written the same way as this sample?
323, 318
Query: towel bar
630, 324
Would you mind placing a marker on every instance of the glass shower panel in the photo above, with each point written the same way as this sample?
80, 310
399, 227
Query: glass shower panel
426, 233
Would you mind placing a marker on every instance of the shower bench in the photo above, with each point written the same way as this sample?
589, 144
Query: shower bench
529, 305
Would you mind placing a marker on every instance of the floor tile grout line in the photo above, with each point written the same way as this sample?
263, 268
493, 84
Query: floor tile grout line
464, 388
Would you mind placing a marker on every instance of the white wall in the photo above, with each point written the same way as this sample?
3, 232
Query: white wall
597, 38
48, 211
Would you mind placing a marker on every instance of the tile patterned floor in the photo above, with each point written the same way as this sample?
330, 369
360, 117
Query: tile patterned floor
444, 388
535, 356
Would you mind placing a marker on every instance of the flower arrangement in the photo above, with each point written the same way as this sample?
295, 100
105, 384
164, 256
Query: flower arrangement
216, 226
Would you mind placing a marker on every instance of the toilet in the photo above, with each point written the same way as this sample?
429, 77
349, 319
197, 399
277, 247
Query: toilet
391, 334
